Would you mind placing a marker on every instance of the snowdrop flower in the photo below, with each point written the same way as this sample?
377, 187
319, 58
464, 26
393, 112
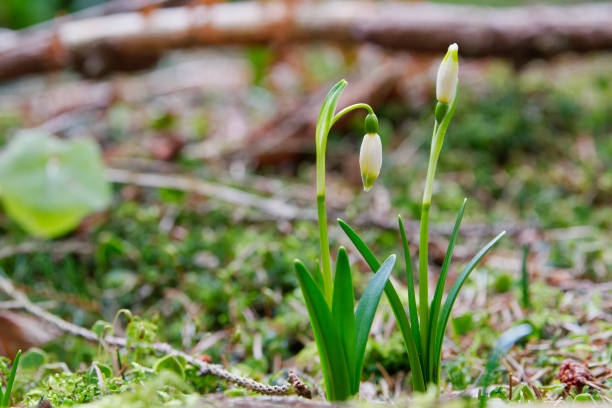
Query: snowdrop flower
446, 84
370, 154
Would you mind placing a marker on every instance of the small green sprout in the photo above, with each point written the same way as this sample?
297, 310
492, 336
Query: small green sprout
340, 331
423, 330
5, 396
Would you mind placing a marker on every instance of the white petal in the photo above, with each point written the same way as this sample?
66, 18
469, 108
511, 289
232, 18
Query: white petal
370, 159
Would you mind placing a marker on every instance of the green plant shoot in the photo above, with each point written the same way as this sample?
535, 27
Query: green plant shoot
424, 326
341, 332
5, 396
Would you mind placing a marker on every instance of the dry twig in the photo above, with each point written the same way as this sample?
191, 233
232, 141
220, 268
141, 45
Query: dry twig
7, 287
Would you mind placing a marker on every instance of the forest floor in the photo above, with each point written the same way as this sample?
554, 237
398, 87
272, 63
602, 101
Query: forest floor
183, 256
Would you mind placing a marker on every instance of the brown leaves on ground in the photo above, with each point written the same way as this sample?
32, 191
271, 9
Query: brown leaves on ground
21, 332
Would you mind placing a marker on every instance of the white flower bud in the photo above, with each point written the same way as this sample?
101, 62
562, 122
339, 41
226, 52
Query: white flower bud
370, 159
446, 84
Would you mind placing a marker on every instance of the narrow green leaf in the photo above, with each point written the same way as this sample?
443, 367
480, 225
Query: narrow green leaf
503, 344
436, 302
366, 310
9, 384
412, 307
525, 277
318, 275
452, 296
418, 380
343, 308
333, 364
326, 115
363, 249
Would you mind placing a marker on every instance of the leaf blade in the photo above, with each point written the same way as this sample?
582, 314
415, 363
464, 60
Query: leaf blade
11, 380
333, 364
452, 296
412, 308
326, 114
366, 309
343, 306
436, 302
396, 307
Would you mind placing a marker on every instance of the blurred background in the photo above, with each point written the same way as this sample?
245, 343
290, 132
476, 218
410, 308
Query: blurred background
204, 115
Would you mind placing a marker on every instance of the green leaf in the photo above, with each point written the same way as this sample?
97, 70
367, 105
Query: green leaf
49, 185
525, 277
503, 344
418, 381
333, 364
366, 310
343, 308
452, 296
176, 364
412, 307
11, 380
436, 302
326, 115
318, 275
33, 358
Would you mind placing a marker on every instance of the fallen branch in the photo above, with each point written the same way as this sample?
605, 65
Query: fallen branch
60, 248
61, 106
135, 39
289, 131
269, 206
280, 210
9, 289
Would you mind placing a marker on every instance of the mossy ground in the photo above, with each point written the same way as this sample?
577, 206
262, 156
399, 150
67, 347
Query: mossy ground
531, 149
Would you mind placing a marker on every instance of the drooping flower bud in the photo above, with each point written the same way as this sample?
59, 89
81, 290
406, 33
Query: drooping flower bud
446, 83
370, 159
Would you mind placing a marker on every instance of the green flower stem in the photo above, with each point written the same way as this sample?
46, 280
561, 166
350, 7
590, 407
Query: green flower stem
350, 108
436, 147
325, 257
321, 210
424, 235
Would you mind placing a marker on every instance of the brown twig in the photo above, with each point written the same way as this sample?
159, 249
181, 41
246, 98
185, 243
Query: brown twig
278, 209
8, 288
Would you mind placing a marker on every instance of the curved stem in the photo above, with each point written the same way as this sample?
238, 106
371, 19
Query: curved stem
321, 210
351, 108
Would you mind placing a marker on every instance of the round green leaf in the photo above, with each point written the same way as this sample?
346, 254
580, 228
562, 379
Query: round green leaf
33, 358
49, 185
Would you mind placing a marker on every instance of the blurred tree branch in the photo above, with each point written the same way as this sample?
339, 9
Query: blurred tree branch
134, 40
6, 286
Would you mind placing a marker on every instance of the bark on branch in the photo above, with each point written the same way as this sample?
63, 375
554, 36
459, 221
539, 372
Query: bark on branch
6, 286
132, 40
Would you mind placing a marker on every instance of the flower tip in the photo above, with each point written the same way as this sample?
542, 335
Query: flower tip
446, 82
453, 50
